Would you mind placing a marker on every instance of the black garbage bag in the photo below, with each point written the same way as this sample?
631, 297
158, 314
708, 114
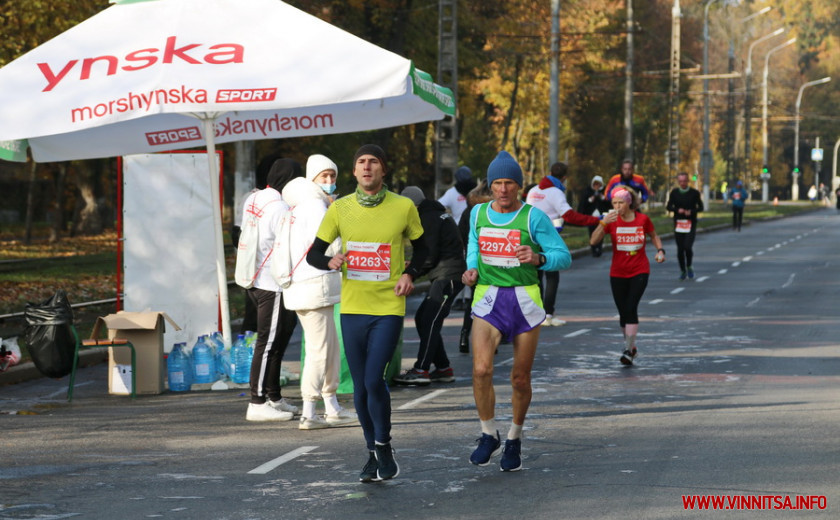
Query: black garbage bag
49, 335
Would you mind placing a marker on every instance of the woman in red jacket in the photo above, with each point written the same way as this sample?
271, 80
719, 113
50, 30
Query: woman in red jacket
630, 269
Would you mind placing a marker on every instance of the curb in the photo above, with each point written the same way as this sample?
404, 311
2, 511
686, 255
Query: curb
28, 371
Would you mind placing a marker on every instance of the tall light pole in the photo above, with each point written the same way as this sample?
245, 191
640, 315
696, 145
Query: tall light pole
628, 86
748, 99
731, 162
765, 177
554, 111
794, 191
706, 156
674, 95
834, 171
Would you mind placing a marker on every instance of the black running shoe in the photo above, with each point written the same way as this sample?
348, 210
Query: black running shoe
388, 467
368, 473
628, 356
444, 375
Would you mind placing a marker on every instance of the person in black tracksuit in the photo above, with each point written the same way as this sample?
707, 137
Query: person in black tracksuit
443, 267
685, 202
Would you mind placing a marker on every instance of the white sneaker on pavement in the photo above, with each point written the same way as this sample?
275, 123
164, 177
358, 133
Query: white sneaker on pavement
265, 412
313, 423
283, 405
547, 322
342, 417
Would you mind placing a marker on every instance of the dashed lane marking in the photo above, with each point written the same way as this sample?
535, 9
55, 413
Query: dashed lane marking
411, 404
576, 333
789, 281
270, 465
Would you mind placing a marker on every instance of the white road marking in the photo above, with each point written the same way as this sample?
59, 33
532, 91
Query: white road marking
722, 271
411, 404
654, 302
746, 259
576, 333
788, 282
270, 465
753, 302
702, 279
678, 290
736, 264
505, 362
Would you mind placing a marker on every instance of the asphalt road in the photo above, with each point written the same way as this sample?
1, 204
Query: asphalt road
734, 396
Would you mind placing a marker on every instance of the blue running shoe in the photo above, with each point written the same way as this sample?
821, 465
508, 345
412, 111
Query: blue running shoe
488, 446
690, 273
511, 461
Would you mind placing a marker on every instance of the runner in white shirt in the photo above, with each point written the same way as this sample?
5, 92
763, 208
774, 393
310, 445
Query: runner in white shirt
455, 198
550, 196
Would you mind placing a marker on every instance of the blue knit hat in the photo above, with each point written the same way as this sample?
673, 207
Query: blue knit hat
504, 166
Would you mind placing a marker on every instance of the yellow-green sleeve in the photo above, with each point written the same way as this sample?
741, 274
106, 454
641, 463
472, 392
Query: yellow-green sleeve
414, 227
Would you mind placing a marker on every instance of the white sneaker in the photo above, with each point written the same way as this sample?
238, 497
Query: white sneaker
313, 423
547, 322
283, 406
265, 412
557, 322
342, 417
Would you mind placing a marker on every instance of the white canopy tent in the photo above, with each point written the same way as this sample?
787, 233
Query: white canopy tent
156, 75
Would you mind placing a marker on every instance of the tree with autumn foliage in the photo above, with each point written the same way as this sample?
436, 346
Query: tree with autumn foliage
504, 83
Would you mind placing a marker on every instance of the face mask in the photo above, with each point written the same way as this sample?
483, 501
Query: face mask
328, 188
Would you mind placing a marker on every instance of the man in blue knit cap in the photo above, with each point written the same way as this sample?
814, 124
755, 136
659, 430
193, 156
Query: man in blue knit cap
509, 242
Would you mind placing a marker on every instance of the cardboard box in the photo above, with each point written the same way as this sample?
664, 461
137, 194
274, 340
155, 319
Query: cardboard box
145, 331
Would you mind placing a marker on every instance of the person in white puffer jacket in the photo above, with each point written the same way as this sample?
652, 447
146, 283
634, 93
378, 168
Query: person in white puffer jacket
312, 293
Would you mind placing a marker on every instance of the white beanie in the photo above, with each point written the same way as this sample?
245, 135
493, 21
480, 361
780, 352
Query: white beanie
318, 163
595, 179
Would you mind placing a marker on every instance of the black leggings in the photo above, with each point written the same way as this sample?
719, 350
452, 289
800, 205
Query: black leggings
737, 216
548, 286
627, 293
685, 247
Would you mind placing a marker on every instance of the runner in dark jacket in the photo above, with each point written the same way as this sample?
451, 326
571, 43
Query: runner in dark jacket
443, 267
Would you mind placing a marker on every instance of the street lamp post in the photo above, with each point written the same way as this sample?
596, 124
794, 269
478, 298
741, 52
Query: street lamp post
748, 98
834, 171
706, 157
765, 177
730, 111
794, 191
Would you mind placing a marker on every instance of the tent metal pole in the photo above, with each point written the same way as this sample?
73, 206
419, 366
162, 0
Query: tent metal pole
221, 270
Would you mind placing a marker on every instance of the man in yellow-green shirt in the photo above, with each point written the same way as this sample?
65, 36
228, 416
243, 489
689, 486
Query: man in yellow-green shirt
373, 224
